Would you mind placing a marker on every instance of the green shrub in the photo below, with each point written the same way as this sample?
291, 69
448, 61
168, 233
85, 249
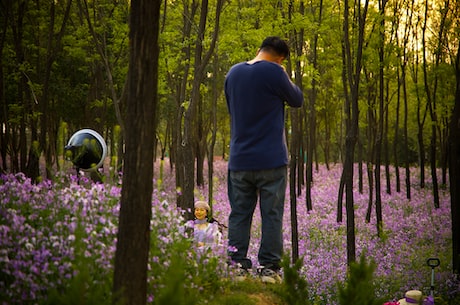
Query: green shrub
294, 288
359, 286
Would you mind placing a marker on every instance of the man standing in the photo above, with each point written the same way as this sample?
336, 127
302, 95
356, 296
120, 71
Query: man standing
256, 93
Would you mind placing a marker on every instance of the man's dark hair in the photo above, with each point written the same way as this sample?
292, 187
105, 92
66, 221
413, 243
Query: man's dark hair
276, 45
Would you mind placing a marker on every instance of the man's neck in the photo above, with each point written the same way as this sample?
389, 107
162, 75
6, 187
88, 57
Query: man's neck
266, 56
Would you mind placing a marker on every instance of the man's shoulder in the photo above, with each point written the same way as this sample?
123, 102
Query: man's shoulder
238, 65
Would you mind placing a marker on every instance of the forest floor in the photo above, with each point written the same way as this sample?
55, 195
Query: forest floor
263, 299
251, 292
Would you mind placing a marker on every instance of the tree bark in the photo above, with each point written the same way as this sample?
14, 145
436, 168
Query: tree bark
190, 139
352, 74
379, 138
311, 143
215, 96
133, 239
454, 169
180, 138
431, 104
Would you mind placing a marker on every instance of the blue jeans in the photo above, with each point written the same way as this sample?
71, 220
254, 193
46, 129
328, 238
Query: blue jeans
244, 188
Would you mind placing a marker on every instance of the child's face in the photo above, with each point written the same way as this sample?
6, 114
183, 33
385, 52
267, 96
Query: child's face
200, 213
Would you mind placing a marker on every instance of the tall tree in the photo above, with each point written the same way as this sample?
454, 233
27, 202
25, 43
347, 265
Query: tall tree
352, 70
14, 113
421, 111
181, 97
3, 115
216, 89
402, 82
379, 138
192, 130
454, 168
296, 136
133, 239
431, 105
53, 47
311, 107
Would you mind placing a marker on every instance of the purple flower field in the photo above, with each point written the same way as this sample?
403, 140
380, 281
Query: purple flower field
40, 224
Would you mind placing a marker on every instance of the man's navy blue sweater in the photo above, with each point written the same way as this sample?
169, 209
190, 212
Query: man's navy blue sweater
256, 94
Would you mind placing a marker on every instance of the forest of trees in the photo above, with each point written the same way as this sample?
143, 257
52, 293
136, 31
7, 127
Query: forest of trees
380, 78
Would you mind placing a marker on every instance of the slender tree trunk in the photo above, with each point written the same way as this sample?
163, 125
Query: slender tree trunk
133, 239
454, 169
420, 118
3, 107
353, 79
311, 144
327, 140
340, 197
294, 151
180, 138
379, 138
199, 136
347, 111
406, 138
431, 104
360, 166
370, 199
190, 139
14, 18
215, 96
396, 145
386, 145
295, 144
47, 135
372, 140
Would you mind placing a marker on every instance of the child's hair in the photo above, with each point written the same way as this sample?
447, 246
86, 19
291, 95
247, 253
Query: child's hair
202, 205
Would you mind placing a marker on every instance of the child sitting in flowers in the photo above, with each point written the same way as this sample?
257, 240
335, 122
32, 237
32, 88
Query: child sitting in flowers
205, 233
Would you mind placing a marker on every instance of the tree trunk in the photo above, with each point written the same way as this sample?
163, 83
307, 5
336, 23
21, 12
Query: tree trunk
352, 80
370, 200
396, 145
340, 197
386, 145
47, 134
454, 169
431, 104
215, 96
198, 134
133, 239
421, 117
295, 140
190, 139
360, 166
379, 138
16, 139
294, 151
3, 107
372, 129
311, 143
180, 138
